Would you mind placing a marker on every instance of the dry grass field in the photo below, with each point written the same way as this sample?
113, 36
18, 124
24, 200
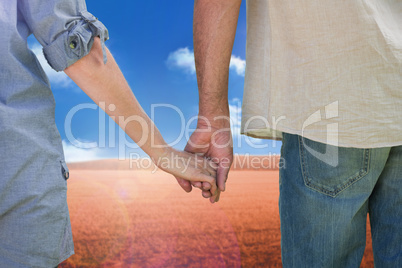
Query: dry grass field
136, 218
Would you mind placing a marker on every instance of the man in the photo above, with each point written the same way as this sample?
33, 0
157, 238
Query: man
34, 221
325, 77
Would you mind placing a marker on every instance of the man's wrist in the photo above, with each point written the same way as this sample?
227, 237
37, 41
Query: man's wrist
214, 108
213, 121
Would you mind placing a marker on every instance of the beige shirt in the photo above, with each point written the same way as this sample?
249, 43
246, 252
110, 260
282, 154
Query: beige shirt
328, 70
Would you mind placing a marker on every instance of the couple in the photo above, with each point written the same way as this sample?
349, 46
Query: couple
325, 77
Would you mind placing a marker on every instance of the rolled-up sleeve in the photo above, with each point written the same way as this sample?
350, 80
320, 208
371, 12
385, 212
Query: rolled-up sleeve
64, 28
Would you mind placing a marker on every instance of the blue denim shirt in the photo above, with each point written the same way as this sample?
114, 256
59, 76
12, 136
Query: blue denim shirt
34, 222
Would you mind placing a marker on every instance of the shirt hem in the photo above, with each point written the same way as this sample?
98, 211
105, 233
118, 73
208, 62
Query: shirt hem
276, 134
65, 257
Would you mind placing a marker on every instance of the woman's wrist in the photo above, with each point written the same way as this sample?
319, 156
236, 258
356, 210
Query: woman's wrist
158, 154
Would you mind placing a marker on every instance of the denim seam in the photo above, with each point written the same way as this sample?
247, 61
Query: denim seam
308, 180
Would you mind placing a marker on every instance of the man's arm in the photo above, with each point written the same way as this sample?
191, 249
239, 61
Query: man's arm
214, 25
105, 83
214, 32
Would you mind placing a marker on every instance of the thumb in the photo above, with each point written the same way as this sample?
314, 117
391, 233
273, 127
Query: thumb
198, 143
221, 177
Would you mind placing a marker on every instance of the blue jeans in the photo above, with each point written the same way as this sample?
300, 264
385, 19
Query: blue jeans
325, 195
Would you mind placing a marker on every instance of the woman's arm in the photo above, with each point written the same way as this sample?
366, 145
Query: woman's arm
106, 83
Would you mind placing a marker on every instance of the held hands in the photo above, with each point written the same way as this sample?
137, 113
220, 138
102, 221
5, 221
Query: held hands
215, 143
190, 167
206, 161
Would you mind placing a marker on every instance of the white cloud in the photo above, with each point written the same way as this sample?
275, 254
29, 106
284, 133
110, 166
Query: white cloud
238, 65
183, 59
56, 78
235, 116
76, 154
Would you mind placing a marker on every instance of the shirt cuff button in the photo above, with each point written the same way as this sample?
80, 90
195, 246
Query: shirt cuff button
73, 44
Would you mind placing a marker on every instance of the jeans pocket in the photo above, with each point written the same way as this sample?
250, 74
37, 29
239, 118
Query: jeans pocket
329, 169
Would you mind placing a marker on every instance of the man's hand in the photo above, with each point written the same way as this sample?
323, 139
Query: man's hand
214, 141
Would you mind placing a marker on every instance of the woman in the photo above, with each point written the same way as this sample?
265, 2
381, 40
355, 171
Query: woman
34, 221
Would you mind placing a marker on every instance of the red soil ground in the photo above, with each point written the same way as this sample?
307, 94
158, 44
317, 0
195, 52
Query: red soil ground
134, 218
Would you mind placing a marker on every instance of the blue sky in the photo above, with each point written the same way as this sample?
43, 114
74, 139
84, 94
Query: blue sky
152, 43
